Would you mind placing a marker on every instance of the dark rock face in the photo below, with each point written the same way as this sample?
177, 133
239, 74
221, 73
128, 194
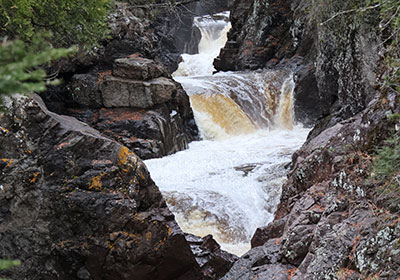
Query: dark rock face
256, 34
262, 262
272, 230
341, 55
76, 205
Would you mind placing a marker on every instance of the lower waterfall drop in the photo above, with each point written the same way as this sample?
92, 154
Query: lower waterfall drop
229, 184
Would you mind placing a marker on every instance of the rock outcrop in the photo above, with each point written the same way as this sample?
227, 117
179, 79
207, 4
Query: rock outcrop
136, 103
124, 88
77, 205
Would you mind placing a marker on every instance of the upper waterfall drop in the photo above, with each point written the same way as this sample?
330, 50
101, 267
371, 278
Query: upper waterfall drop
214, 34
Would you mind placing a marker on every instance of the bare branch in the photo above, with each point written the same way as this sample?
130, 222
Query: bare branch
363, 9
165, 4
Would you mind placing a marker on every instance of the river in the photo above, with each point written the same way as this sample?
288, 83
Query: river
230, 183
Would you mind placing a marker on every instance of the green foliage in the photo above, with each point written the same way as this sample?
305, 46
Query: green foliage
7, 264
80, 22
386, 169
387, 162
140, 2
19, 62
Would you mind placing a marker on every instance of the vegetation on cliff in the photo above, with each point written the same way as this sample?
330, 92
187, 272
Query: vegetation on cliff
71, 22
25, 50
390, 25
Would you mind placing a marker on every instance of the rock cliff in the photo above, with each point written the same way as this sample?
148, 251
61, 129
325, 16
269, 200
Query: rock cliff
123, 89
335, 220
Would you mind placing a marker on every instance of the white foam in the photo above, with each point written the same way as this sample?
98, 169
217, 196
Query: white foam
207, 189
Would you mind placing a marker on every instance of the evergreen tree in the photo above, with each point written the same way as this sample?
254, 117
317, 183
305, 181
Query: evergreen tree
20, 63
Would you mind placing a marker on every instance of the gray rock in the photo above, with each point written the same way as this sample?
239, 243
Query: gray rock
138, 68
118, 92
261, 262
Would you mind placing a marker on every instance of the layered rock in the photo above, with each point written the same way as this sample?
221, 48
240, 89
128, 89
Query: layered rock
123, 88
137, 104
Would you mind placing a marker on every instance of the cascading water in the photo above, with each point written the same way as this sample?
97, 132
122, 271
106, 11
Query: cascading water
229, 184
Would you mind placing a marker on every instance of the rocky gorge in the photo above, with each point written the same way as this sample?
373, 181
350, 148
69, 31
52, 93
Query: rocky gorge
77, 202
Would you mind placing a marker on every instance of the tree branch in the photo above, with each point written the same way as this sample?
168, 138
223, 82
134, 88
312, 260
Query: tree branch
165, 4
363, 9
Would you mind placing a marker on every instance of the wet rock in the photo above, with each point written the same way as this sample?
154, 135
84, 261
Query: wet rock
261, 262
271, 231
77, 205
213, 261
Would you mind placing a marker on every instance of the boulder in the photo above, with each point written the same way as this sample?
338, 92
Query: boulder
263, 262
77, 205
118, 92
271, 231
213, 261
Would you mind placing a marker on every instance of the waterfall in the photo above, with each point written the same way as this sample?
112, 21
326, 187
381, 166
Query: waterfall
214, 31
230, 183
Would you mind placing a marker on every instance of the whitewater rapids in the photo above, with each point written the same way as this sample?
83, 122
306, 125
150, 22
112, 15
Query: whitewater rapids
229, 184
